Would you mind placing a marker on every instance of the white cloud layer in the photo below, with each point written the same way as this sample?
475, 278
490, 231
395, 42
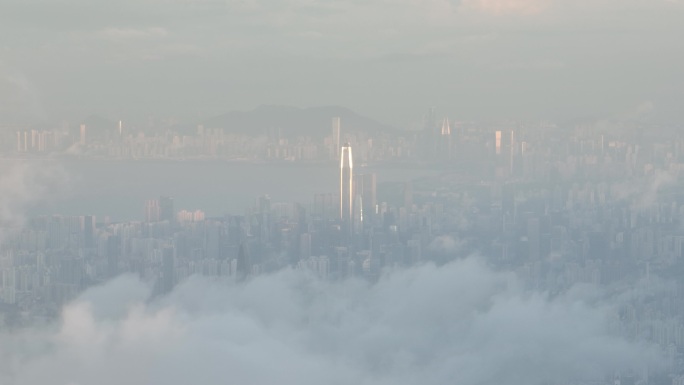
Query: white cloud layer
23, 184
461, 323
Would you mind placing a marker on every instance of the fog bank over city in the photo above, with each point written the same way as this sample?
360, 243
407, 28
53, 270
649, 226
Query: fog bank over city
24, 185
460, 322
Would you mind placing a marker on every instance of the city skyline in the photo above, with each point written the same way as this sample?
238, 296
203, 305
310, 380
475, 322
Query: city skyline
370, 192
501, 224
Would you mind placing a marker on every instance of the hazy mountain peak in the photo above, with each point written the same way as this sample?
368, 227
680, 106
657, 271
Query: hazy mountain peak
293, 121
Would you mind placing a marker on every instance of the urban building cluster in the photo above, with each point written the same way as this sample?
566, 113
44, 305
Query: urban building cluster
204, 143
599, 204
445, 140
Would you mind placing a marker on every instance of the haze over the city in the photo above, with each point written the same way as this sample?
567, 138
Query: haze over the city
475, 59
342, 192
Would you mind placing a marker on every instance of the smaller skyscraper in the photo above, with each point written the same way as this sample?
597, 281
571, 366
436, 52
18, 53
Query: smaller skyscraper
446, 129
166, 209
152, 210
305, 246
89, 231
243, 266
497, 142
512, 153
365, 185
358, 219
429, 135
533, 238
429, 121
168, 270
83, 134
160, 210
445, 140
325, 206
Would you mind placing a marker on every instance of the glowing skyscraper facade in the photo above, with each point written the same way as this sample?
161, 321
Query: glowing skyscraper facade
335, 138
346, 187
497, 142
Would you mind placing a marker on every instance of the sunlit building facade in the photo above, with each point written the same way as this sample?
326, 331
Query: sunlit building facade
346, 187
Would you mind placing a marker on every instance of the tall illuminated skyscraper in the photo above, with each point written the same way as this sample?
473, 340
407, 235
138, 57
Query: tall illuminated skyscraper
346, 187
336, 126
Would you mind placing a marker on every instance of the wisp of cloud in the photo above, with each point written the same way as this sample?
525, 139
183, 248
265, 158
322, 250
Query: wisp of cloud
23, 184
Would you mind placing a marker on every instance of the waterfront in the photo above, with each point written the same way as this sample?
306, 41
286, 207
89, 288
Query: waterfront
118, 189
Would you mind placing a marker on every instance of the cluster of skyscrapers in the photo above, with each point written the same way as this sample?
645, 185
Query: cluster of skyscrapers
588, 204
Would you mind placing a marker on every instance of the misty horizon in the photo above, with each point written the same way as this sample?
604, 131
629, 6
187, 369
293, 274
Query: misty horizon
472, 59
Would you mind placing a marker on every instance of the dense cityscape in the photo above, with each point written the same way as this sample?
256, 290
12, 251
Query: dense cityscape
257, 192
596, 203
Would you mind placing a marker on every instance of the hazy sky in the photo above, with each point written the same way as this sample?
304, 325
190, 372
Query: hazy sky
388, 59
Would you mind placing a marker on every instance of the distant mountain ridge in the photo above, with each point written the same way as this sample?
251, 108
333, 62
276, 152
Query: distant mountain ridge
293, 122
315, 122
